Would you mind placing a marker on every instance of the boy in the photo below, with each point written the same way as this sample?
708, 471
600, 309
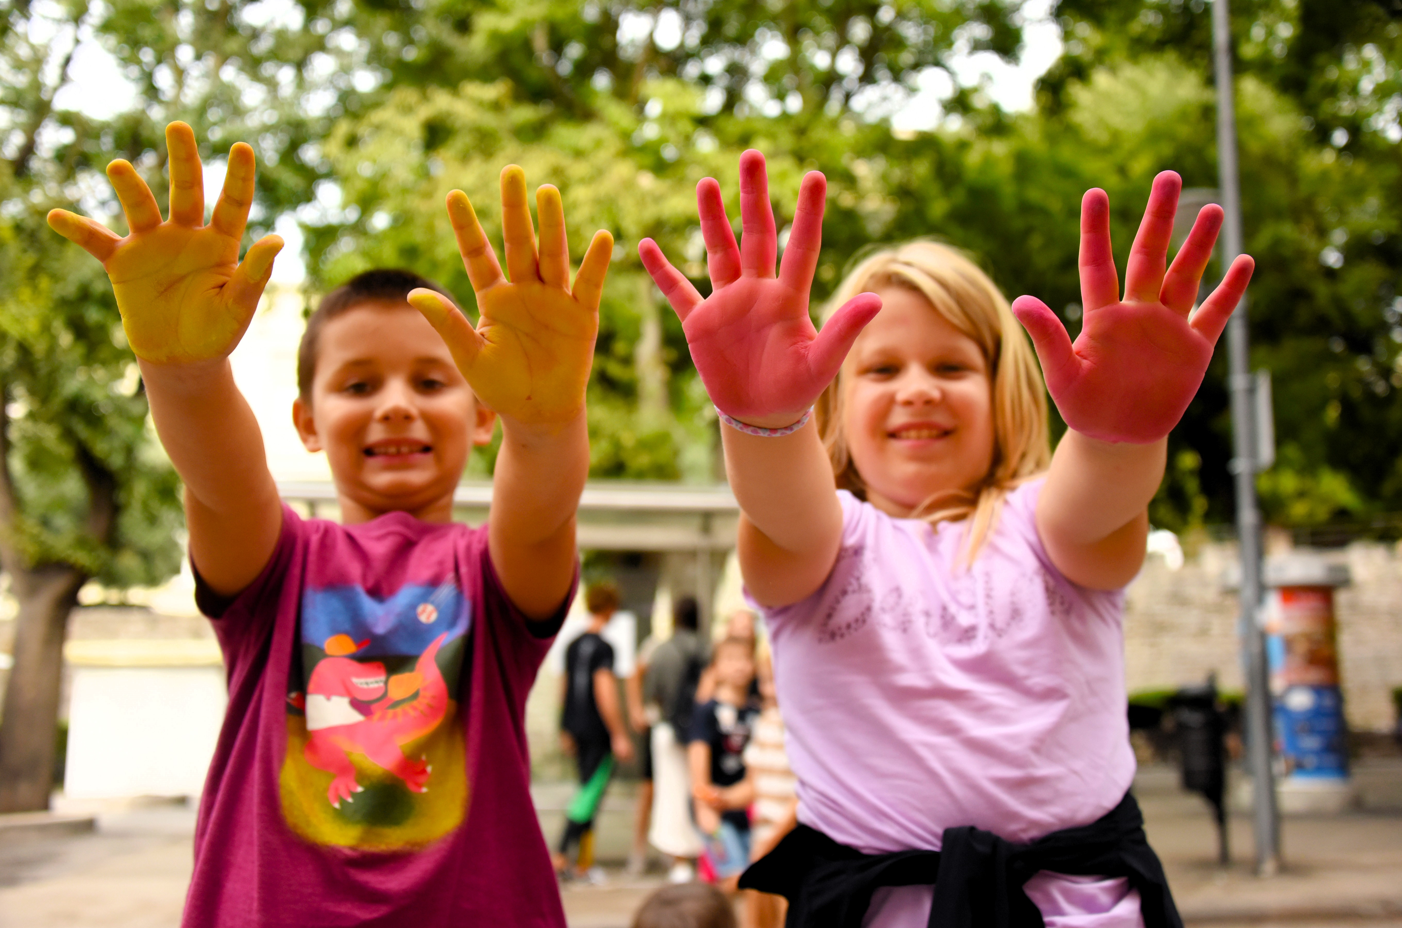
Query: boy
720, 730
372, 768
592, 729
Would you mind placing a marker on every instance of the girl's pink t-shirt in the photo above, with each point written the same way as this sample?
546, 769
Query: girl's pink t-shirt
922, 693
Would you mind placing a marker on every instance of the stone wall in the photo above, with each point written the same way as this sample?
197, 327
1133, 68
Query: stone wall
1182, 624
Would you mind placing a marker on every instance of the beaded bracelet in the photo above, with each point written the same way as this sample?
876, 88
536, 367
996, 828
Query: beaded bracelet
739, 426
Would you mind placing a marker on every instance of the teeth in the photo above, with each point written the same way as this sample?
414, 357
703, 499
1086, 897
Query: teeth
397, 449
368, 682
921, 433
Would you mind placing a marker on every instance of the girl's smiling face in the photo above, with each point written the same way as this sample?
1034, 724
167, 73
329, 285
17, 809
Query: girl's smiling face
916, 405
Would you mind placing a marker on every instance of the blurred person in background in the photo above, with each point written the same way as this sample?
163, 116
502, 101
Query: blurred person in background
721, 792
670, 685
591, 729
641, 717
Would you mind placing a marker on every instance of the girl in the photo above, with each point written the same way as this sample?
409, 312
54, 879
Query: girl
946, 626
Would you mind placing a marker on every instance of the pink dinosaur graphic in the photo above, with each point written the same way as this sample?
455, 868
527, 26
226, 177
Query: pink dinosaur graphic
347, 709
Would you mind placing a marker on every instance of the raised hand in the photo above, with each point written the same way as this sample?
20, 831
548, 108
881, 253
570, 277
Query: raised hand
753, 344
530, 354
1138, 362
183, 294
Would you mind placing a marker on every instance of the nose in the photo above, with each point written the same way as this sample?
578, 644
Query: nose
396, 403
916, 386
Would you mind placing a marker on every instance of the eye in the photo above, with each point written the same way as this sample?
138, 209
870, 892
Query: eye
882, 369
357, 388
431, 384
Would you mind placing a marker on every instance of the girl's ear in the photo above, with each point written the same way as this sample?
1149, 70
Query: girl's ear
306, 426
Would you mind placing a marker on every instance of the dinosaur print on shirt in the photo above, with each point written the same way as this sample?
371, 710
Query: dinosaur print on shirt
375, 756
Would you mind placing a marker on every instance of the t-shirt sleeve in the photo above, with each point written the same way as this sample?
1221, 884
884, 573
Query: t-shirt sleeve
1019, 517
703, 724
602, 658
243, 620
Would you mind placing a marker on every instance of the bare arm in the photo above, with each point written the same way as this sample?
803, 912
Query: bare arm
528, 359
633, 689
606, 698
764, 364
1126, 381
539, 476
1093, 513
791, 522
232, 507
186, 300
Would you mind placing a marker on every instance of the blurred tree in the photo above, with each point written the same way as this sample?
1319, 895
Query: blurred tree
85, 493
626, 106
1321, 135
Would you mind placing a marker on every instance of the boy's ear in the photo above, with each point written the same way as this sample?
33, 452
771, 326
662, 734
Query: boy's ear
306, 425
484, 423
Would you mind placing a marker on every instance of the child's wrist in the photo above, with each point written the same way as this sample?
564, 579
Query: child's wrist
767, 426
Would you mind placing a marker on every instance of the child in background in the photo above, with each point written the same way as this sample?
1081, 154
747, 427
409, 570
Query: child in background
686, 905
720, 731
378, 669
946, 627
592, 729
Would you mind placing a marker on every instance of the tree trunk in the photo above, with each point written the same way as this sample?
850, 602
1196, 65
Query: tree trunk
46, 595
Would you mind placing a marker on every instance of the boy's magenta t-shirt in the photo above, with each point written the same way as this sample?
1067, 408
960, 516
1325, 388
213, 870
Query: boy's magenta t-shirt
373, 767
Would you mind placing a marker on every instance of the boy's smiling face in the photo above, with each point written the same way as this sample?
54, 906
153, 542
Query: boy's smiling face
392, 412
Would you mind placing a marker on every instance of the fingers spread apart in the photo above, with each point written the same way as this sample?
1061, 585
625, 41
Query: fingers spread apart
93, 237
679, 292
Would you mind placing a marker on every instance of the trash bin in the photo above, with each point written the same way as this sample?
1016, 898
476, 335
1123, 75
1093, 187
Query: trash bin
1201, 726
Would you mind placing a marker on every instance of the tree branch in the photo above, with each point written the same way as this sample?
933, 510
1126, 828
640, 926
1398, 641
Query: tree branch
102, 494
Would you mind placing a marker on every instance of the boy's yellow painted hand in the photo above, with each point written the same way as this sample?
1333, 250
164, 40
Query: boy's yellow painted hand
530, 354
183, 294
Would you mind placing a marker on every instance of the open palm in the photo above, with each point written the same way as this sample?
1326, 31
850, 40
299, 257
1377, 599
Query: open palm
181, 290
752, 341
530, 354
1139, 360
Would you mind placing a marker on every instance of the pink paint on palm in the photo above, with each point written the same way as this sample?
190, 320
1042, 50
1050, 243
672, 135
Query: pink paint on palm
1139, 360
752, 341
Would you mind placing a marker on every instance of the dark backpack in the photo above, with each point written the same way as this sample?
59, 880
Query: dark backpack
683, 706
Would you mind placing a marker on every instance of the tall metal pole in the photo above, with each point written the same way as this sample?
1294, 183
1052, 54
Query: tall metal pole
1248, 517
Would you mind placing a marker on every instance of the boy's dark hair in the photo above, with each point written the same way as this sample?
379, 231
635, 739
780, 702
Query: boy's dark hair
381, 284
686, 905
601, 596
686, 613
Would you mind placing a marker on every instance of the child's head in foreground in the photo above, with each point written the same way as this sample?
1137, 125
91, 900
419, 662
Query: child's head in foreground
686, 905
940, 399
379, 393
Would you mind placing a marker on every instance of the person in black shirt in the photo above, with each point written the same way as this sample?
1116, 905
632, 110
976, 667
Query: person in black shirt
720, 730
592, 729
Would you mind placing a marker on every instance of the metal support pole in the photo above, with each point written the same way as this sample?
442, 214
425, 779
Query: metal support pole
1248, 518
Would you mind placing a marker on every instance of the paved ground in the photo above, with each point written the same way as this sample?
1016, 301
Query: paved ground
1342, 870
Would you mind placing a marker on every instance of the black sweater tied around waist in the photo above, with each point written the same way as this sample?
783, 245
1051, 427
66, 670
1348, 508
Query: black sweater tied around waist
978, 876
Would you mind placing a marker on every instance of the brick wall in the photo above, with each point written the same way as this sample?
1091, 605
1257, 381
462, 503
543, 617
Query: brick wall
1180, 625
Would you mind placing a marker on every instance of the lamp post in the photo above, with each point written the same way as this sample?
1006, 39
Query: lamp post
1248, 517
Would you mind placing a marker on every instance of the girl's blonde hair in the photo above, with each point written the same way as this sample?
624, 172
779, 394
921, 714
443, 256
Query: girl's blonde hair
959, 291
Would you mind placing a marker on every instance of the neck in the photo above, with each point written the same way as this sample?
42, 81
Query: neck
354, 512
729, 692
597, 621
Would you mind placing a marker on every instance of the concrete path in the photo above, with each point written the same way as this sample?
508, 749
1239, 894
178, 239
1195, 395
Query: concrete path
131, 871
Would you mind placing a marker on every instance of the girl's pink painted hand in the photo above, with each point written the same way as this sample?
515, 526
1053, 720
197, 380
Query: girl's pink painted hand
757, 351
1138, 362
